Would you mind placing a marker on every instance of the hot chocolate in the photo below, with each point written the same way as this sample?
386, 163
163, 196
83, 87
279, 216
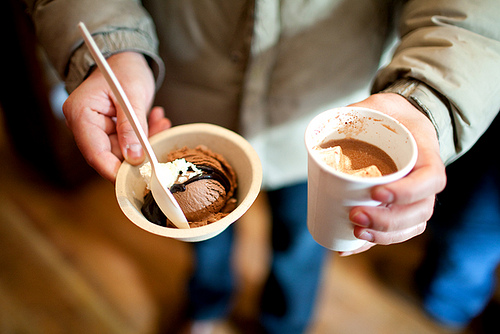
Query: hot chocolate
356, 157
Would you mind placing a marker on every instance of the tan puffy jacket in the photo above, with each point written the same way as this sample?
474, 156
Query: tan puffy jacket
265, 68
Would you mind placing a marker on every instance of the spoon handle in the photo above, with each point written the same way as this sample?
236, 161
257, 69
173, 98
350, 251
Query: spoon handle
119, 93
162, 195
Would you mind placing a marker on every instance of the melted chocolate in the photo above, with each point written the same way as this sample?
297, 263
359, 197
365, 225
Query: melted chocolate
209, 173
152, 211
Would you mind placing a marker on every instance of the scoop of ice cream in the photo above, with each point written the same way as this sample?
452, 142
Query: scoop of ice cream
204, 187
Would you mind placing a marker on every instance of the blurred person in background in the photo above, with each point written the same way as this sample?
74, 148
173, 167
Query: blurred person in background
458, 277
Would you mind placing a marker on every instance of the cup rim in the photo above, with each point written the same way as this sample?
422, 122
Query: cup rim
202, 232
369, 180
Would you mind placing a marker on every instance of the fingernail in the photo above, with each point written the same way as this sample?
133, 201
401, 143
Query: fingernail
344, 254
134, 151
365, 235
361, 219
383, 195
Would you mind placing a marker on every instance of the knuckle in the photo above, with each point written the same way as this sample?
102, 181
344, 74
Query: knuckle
421, 228
428, 208
383, 238
441, 179
123, 127
381, 219
394, 237
67, 108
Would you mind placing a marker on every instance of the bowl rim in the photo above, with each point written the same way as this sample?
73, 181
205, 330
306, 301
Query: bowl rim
202, 232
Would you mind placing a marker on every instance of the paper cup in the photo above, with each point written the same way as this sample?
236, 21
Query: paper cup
332, 194
130, 185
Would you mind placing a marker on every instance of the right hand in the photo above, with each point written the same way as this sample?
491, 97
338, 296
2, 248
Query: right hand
101, 129
407, 204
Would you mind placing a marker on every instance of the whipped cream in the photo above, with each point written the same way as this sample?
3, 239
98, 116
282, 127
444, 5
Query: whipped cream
177, 171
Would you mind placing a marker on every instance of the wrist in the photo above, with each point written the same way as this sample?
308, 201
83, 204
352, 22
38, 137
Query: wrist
406, 88
116, 42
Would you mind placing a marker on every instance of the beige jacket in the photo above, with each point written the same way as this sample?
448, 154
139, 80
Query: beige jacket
266, 67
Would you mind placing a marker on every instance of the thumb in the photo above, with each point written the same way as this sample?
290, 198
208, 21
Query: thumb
137, 80
129, 143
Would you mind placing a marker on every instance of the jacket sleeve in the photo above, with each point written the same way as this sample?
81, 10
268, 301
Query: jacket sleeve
116, 26
448, 65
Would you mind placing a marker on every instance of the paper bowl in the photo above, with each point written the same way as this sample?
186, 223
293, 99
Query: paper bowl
130, 186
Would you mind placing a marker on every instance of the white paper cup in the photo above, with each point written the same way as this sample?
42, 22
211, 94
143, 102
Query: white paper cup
332, 194
130, 185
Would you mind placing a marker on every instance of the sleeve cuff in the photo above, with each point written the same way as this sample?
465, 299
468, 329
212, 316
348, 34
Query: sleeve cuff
434, 106
82, 63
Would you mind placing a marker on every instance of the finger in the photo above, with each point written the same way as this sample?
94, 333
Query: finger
157, 121
137, 80
427, 178
109, 125
91, 122
130, 145
107, 165
96, 148
393, 217
387, 238
115, 146
364, 248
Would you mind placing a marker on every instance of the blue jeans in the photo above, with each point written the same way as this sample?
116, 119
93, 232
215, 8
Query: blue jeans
289, 294
457, 279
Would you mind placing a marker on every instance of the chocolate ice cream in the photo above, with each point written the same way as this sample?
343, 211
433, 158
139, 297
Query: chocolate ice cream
356, 157
203, 184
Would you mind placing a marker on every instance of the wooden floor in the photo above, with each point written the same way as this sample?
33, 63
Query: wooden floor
70, 262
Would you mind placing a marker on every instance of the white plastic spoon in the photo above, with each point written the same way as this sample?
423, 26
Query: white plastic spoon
161, 194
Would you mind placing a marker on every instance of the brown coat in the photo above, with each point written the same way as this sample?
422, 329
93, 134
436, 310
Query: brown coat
265, 68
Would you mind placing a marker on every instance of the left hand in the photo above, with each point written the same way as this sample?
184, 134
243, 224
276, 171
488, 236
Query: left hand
408, 203
101, 129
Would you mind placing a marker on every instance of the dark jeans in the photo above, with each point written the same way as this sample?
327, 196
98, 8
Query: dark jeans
289, 293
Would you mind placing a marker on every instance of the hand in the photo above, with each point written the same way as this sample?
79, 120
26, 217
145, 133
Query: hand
101, 129
408, 203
